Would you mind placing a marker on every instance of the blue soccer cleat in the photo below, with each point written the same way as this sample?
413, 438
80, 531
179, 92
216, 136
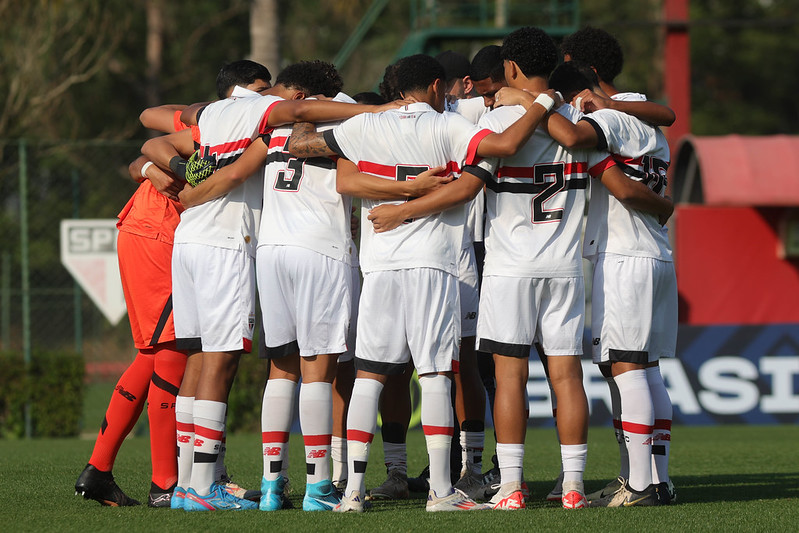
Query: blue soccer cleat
217, 500
272, 497
178, 497
321, 496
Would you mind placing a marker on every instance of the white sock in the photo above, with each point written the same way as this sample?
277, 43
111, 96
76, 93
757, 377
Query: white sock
573, 457
184, 417
437, 424
472, 443
361, 427
209, 428
316, 421
661, 434
277, 411
511, 461
637, 419
338, 456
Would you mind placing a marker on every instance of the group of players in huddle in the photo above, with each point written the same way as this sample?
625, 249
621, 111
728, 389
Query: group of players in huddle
502, 150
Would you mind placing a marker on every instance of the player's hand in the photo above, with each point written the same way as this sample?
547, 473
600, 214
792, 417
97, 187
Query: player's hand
198, 169
508, 96
386, 217
164, 183
186, 196
388, 106
428, 181
663, 218
588, 101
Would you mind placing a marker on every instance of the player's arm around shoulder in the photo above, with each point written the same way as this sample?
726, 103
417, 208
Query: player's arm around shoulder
635, 195
351, 181
509, 142
162, 150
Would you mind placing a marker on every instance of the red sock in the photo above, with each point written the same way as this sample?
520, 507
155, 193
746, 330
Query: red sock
166, 378
123, 411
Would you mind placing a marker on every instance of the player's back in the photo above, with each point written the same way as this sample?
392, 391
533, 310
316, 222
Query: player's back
642, 153
398, 145
226, 128
535, 203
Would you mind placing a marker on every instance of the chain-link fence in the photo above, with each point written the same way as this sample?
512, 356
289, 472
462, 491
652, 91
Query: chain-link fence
41, 306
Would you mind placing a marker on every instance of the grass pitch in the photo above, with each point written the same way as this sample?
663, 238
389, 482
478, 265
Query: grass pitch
728, 478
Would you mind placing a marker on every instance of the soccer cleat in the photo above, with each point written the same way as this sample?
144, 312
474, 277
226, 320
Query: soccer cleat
236, 490
471, 484
178, 497
395, 487
610, 488
556, 494
159, 497
457, 501
666, 493
421, 483
627, 497
509, 497
320, 496
525, 491
341, 485
273, 494
350, 504
94, 484
218, 499
573, 495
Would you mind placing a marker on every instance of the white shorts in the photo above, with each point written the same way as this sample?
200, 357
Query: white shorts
213, 294
305, 301
470, 296
353, 329
634, 309
409, 313
515, 312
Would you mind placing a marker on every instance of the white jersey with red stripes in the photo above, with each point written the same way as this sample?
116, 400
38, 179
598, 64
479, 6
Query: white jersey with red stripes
301, 205
398, 145
535, 201
642, 153
226, 129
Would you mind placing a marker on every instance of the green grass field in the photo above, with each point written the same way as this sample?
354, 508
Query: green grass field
729, 478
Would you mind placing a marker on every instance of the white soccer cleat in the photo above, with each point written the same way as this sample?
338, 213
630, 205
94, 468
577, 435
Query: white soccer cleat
457, 501
350, 504
574, 495
509, 497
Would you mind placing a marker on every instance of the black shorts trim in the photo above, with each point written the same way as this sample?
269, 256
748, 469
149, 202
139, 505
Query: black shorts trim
376, 367
628, 356
504, 348
189, 344
276, 352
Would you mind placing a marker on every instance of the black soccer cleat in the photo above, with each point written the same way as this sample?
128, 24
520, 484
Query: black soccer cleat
94, 484
159, 497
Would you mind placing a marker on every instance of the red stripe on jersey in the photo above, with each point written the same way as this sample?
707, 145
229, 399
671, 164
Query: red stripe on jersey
639, 429
277, 142
387, 171
177, 123
263, 126
437, 430
601, 167
229, 147
569, 169
208, 433
317, 440
471, 152
360, 436
184, 427
632, 161
662, 423
274, 436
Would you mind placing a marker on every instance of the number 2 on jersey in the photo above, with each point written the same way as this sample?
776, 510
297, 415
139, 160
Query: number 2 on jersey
553, 175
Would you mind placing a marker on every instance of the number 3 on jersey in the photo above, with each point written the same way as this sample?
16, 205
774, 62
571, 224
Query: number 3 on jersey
288, 179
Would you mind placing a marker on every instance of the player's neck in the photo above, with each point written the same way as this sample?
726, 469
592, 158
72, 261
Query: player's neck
534, 84
609, 89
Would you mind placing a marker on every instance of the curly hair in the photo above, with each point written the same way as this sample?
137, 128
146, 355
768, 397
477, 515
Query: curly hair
243, 72
532, 50
417, 72
572, 77
598, 49
487, 63
388, 87
311, 77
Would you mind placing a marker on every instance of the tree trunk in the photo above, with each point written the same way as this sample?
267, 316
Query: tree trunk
264, 34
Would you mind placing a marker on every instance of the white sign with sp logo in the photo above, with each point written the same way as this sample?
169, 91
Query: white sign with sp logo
89, 253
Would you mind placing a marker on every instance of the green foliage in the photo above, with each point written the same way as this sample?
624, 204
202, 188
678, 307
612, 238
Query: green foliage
54, 387
246, 395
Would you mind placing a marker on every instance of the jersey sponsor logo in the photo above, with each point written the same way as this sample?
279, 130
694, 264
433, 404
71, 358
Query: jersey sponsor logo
184, 439
470, 316
317, 454
272, 450
199, 442
596, 341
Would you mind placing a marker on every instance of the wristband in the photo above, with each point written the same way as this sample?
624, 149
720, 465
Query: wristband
144, 168
545, 100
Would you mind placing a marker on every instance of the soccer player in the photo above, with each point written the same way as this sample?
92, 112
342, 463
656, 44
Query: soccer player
456, 69
635, 289
415, 267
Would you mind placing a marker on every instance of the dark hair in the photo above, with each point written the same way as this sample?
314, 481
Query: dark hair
455, 65
598, 49
388, 87
369, 98
532, 50
487, 63
417, 72
572, 77
242, 72
311, 77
